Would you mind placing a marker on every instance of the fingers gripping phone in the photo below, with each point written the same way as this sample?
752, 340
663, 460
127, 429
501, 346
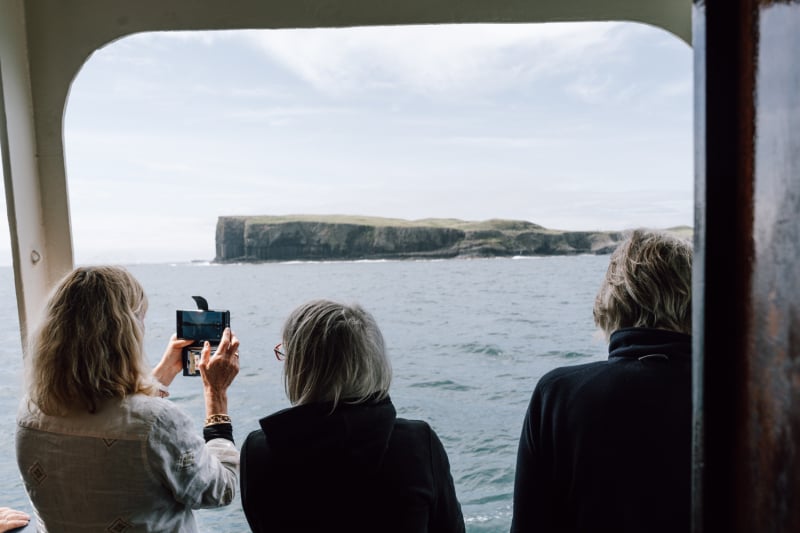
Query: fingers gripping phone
200, 325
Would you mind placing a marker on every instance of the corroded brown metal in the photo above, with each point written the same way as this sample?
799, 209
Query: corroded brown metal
775, 376
747, 277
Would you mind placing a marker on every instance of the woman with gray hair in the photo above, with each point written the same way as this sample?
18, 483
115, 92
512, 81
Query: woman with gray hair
606, 446
340, 459
99, 446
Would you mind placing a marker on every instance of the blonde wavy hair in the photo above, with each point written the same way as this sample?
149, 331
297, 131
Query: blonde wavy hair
89, 346
648, 284
333, 352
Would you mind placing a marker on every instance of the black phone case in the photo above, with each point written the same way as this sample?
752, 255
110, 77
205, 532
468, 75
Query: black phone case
190, 355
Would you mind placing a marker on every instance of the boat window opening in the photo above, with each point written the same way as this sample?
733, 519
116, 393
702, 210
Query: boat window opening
574, 127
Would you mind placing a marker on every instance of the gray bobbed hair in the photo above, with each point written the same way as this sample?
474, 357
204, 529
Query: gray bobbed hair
334, 352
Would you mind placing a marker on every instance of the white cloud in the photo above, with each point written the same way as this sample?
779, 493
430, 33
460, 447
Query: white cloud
510, 142
437, 58
591, 88
282, 114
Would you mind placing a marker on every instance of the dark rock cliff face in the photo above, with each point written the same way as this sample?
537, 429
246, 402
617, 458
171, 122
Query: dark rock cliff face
274, 239
318, 240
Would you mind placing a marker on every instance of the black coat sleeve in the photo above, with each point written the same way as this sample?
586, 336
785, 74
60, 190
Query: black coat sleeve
536, 505
446, 514
252, 482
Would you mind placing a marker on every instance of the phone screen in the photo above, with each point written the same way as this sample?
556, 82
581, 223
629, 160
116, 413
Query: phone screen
201, 326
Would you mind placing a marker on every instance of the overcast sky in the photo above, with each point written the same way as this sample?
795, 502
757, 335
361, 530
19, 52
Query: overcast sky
572, 126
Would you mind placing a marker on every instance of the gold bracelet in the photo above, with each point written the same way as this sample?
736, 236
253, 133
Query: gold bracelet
213, 420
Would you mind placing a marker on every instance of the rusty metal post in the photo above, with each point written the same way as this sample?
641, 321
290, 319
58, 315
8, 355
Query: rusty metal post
747, 266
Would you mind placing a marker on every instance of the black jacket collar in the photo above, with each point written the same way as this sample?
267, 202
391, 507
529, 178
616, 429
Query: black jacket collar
638, 342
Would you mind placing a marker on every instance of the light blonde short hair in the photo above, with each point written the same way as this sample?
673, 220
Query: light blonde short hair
89, 346
648, 284
334, 352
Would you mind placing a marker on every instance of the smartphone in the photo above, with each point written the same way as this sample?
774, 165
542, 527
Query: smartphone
200, 326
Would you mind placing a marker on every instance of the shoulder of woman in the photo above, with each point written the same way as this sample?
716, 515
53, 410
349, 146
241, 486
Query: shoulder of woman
411, 432
157, 412
404, 424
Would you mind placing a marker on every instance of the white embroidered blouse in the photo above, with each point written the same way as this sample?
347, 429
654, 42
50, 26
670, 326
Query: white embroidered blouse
137, 465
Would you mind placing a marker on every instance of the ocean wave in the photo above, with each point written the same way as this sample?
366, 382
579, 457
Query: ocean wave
442, 384
474, 347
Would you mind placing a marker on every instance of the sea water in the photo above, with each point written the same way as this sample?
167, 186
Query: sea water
468, 340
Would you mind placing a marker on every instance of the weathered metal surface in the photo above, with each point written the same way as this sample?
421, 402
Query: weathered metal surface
774, 379
747, 315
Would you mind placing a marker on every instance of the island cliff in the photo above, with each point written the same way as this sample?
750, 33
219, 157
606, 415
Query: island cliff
339, 237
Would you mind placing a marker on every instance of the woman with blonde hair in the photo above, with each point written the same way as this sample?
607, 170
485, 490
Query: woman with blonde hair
340, 459
606, 446
99, 446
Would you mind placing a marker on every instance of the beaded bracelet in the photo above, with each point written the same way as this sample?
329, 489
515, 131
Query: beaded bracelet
213, 420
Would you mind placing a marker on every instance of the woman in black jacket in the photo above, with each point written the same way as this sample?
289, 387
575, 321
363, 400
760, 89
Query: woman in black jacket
607, 445
340, 459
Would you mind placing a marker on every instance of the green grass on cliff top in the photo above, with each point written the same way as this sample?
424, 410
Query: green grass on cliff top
466, 225
399, 222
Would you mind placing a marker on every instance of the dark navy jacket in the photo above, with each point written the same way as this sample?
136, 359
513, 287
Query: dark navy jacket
606, 446
356, 469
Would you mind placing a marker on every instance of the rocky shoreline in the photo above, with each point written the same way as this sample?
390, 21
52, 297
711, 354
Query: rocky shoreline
340, 237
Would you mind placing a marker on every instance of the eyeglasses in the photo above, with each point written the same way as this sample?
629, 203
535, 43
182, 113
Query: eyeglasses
279, 355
